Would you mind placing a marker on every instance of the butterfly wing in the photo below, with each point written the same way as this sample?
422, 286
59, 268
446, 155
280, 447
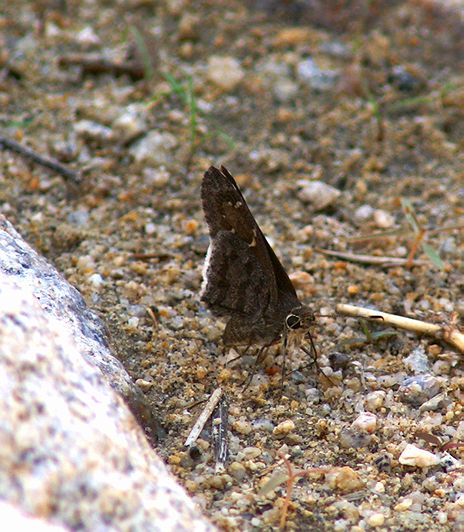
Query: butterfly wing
243, 278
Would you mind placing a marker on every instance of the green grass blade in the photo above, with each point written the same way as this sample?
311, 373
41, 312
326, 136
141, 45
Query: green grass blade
433, 255
193, 110
143, 51
410, 214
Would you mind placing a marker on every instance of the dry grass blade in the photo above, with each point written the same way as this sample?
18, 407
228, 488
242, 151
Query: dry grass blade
385, 262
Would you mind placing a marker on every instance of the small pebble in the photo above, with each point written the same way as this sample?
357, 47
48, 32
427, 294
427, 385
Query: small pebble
292, 36
150, 228
133, 322
188, 27
313, 395
338, 361
251, 452
335, 48
156, 177
383, 219
301, 279
242, 427
341, 525
344, 479
284, 428
318, 194
93, 131
144, 385
131, 122
88, 37
79, 217
449, 462
442, 518
449, 246
307, 71
442, 367
414, 456
460, 431
363, 213
96, 280
285, 90
225, 72
365, 422
66, 151
417, 390
353, 290
376, 520
237, 470
403, 79
403, 505
417, 361
383, 462
155, 148
375, 400
436, 403
353, 439
191, 226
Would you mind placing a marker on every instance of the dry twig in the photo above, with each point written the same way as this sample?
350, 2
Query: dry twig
92, 64
290, 478
451, 334
203, 417
46, 162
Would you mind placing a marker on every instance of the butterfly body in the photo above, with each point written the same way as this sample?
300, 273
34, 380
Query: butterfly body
243, 280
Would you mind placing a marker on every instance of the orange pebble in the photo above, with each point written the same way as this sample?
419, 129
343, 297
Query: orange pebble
353, 290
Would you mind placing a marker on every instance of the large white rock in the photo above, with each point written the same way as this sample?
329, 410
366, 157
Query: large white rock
71, 452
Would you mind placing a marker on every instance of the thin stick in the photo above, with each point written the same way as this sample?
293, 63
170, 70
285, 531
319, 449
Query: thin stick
370, 259
47, 162
203, 417
450, 334
97, 64
220, 424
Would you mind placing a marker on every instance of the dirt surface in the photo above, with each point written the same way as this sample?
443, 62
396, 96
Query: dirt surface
367, 97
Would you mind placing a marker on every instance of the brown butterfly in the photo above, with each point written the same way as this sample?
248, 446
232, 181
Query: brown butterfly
243, 280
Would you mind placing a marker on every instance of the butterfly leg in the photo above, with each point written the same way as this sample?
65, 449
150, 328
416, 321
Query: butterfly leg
313, 355
284, 358
240, 355
260, 356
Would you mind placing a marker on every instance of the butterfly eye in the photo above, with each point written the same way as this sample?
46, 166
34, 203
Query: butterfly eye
292, 321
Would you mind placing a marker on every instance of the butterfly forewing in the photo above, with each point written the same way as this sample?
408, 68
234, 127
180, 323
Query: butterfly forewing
243, 278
